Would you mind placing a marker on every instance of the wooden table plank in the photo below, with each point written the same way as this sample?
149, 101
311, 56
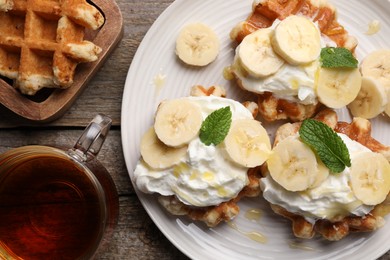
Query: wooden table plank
137, 237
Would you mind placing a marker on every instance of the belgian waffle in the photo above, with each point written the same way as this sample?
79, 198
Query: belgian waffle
213, 215
359, 130
263, 14
225, 211
42, 41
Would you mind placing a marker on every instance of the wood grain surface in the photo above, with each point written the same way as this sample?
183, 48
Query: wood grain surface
54, 102
136, 236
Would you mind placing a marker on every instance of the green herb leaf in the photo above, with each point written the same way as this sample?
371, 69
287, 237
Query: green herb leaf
326, 143
216, 126
338, 58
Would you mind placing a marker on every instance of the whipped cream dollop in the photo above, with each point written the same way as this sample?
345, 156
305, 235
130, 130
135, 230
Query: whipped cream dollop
334, 198
204, 176
295, 83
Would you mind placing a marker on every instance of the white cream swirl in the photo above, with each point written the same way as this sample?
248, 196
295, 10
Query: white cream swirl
205, 176
332, 199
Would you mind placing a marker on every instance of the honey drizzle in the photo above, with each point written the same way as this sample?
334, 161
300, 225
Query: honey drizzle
228, 73
253, 235
297, 245
251, 214
159, 82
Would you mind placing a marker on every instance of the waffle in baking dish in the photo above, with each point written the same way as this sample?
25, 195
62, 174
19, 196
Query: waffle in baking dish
335, 226
42, 41
264, 14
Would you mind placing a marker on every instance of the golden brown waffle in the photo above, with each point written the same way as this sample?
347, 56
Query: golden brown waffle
359, 130
213, 215
263, 14
42, 41
225, 211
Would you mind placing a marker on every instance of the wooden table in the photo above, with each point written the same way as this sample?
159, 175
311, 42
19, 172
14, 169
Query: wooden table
136, 236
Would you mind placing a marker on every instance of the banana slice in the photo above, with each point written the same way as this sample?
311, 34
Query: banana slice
177, 122
156, 154
370, 177
197, 44
387, 108
371, 100
377, 65
297, 40
257, 55
337, 88
321, 175
247, 143
294, 166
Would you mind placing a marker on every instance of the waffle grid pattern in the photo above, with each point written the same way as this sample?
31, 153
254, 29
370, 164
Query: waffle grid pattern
42, 41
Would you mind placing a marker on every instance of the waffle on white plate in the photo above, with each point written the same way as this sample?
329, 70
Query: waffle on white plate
203, 182
264, 14
41, 42
338, 226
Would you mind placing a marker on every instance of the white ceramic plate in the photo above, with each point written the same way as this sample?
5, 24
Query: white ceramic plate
156, 74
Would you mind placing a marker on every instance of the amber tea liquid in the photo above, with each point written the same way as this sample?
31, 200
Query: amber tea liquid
49, 209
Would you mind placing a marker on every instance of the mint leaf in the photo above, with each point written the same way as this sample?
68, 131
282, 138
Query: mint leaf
326, 143
338, 57
216, 126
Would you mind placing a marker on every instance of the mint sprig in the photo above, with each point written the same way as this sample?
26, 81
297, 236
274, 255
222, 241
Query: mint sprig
326, 143
337, 57
216, 126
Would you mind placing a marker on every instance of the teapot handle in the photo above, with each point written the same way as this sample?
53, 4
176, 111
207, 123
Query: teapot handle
92, 139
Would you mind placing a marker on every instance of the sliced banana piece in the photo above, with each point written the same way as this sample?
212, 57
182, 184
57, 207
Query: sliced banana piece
257, 55
177, 121
248, 143
294, 166
387, 108
156, 154
377, 65
297, 40
321, 175
371, 100
197, 44
337, 88
370, 177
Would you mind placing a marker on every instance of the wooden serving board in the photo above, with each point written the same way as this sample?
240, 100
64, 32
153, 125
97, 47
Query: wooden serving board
50, 104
